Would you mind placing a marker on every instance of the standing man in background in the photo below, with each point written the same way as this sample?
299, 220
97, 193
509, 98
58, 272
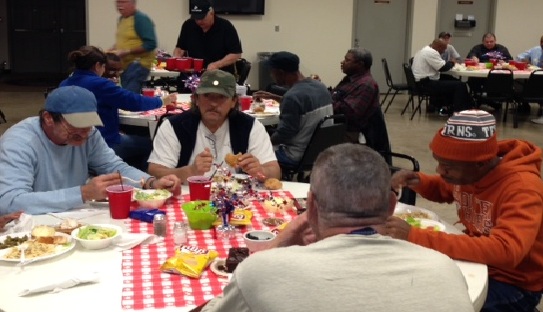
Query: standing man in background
209, 37
135, 44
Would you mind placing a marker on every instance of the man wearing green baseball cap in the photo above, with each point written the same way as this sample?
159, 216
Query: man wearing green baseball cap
196, 142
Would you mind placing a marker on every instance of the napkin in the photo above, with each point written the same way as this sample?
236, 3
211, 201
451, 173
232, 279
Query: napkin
131, 240
57, 286
78, 214
23, 224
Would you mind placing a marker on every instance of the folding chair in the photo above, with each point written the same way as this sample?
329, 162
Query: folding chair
326, 134
533, 90
376, 134
414, 91
499, 88
403, 161
243, 67
391, 85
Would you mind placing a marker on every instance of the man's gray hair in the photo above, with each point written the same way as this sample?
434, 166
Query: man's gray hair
362, 55
350, 182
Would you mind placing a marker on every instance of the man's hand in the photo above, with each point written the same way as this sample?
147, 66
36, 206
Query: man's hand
203, 162
169, 182
250, 164
96, 187
297, 232
5, 219
397, 228
404, 178
213, 66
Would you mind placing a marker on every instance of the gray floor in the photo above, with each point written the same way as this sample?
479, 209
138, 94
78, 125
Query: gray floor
407, 136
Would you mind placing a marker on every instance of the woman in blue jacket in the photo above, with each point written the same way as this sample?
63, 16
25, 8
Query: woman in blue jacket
90, 65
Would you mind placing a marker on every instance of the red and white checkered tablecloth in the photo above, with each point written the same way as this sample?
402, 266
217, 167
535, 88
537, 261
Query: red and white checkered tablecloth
161, 111
145, 286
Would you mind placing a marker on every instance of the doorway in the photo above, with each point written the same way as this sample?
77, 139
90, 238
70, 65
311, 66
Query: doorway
42, 33
463, 39
382, 28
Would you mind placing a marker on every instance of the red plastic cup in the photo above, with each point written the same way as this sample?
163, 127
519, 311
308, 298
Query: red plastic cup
148, 92
170, 63
245, 102
182, 64
199, 187
198, 64
119, 198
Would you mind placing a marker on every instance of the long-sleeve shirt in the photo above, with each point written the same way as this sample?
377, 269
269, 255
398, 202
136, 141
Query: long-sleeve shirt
503, 216
39, 176
533, 55
357, 97
109, 99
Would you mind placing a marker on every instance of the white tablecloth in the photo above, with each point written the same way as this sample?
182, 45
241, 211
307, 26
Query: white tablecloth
106, 295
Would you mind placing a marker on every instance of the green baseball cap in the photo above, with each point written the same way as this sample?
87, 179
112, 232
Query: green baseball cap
217, 81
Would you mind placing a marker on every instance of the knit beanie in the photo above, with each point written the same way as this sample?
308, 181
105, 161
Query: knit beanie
468, 136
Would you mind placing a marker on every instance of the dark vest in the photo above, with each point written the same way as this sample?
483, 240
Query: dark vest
185, 126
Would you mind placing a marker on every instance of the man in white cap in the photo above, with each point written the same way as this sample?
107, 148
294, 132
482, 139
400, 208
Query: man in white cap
45, 160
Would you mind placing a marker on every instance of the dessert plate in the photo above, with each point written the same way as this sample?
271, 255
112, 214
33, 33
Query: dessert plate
217, 267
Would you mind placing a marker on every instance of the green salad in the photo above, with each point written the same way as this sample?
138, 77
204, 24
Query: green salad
415, 222
95, 233
157, 194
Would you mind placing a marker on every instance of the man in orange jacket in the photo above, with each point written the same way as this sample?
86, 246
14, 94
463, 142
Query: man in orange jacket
498, 192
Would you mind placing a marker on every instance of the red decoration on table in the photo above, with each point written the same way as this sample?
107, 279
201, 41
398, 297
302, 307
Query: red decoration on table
145, 286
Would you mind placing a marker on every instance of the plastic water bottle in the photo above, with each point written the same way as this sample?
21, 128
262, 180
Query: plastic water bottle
241, 90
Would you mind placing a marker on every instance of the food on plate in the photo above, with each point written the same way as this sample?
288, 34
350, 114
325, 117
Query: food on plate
259, 109
157, 194
190, 261
273, 184
413, 214
235, 256
278, 204
43, 234
67, 226
420, 223
34, 249
273, 221
11, 241
231, 159
91, 232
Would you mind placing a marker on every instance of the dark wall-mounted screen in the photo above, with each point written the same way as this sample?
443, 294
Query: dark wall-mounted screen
240, 7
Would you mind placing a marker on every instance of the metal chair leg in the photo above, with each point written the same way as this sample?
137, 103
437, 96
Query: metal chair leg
407, 105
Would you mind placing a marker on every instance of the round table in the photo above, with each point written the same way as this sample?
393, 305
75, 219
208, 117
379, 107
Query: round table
106, 295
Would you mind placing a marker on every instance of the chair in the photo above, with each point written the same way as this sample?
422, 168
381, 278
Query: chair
533, 90
326, 134
160, 121
414, 91
391, 85
403, 161
376, 134
498, 87
243, 67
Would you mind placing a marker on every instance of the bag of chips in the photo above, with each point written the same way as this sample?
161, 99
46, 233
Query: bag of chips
190, 261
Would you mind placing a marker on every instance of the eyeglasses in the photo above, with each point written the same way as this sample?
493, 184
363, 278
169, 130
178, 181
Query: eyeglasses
76, 133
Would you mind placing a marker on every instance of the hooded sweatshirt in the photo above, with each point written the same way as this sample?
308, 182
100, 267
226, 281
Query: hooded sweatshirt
502, 214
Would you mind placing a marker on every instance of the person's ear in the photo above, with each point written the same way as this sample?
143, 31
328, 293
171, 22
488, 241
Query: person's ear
48, 119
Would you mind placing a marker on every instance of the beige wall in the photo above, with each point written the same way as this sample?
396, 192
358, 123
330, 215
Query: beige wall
319, 31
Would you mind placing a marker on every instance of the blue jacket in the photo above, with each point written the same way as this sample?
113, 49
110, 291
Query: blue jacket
109, 98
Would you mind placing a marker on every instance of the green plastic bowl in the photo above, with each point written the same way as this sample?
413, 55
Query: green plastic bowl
200, 214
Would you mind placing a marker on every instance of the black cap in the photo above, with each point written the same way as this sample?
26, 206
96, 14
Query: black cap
286, 61
200, 8
444, 34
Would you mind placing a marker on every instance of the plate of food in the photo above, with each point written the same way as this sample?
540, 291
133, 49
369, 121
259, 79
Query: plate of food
404, 212
218, 267
42, 243
427, 224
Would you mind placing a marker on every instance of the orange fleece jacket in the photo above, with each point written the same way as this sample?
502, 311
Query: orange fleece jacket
503, 216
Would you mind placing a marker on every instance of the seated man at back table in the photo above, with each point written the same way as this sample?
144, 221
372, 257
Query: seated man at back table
497, 189
301, 108
427, 65
533, 55
357, 94
197, 141
45, 160
334, 256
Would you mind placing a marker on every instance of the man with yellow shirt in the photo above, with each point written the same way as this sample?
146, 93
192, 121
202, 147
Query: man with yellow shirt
135, 45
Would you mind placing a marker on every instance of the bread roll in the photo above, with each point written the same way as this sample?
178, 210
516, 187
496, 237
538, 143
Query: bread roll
43, 234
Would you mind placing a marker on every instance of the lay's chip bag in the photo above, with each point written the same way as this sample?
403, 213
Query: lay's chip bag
190, 261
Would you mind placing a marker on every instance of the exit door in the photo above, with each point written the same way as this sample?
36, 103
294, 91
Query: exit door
42, 33
463, 39
381, 27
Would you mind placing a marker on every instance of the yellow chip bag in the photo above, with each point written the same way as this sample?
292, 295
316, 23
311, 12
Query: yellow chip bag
190, 261
239, 217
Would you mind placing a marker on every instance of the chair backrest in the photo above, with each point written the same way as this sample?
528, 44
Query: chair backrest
499, 84
388, 76
533, 89
376, 133
161, 120
403, 161
410, 78
243, 67
330, 131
